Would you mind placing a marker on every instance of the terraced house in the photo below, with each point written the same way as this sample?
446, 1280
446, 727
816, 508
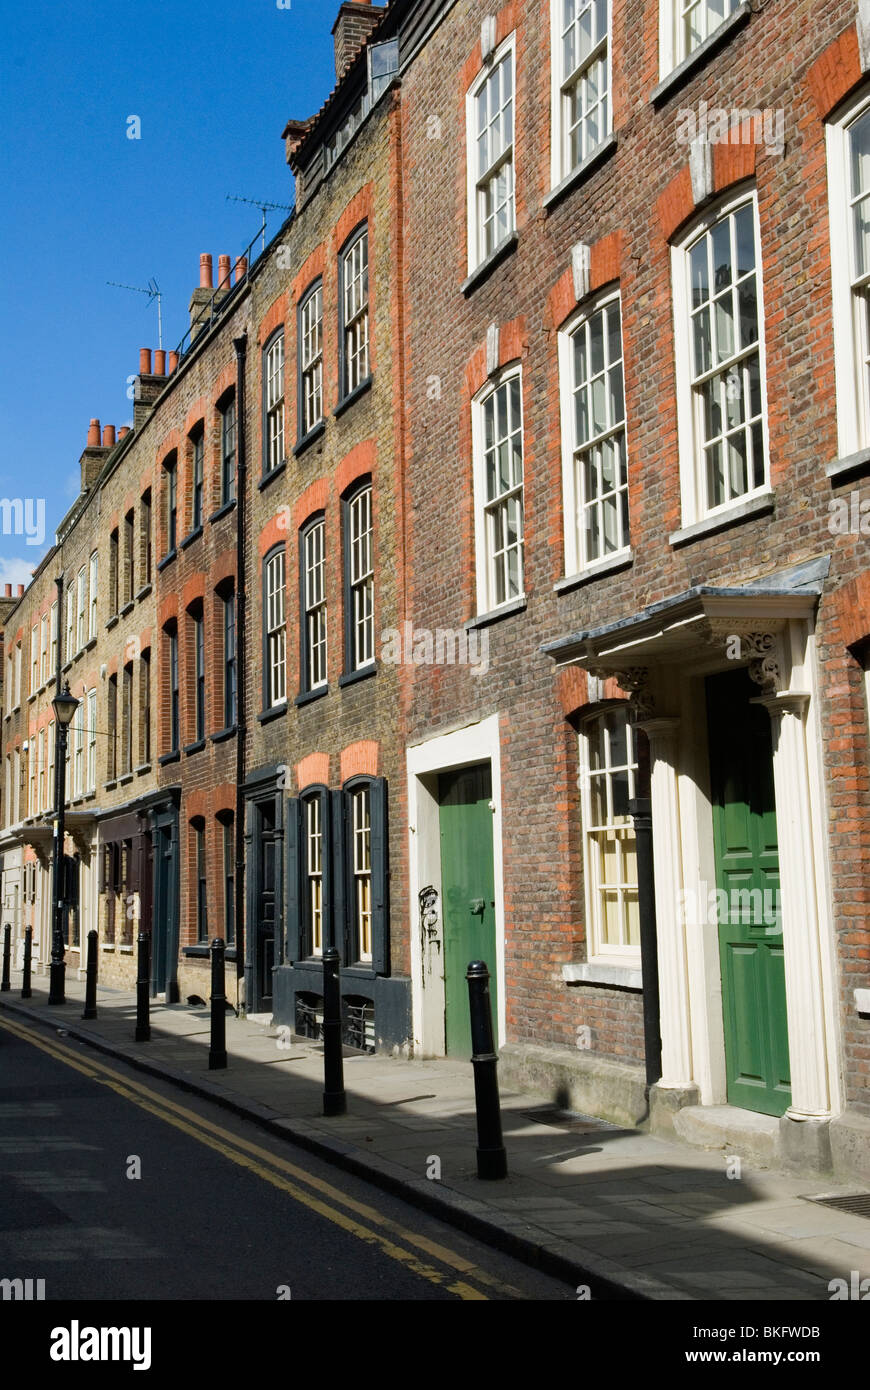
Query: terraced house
513, 501
88, 616
646, 224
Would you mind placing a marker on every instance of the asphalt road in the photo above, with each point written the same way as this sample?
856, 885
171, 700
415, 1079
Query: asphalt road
219, 1209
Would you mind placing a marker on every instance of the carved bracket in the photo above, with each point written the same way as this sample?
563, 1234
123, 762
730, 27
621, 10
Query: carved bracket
635, 681
760, 645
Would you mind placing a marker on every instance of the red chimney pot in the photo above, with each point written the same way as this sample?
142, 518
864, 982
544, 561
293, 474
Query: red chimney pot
8, 590
205, 271
123, 431
241, 268
173, 362
159, 362
223, 272
108, 436
94, 434
144, 361
20, 590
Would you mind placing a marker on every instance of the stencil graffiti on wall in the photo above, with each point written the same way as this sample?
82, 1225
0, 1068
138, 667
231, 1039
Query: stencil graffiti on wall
430, 938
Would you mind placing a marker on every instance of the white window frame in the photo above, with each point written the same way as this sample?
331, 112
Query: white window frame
34, 658
17, 676
597, 950
692, 481
577, 561
672, 49
79, 750
361, 577
274, 613
81, 607
355, 292
851, 335
314, 870
40, 763
361, 866
228, 433
314, 603
506, 158
274, 364
311, 358
91, 766
43, 649
50, 739
70, 620
52, 658
484, 508
561, 166
92, 606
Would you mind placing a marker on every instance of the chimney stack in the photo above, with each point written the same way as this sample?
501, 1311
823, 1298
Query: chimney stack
351, 29
94, 452
201, 297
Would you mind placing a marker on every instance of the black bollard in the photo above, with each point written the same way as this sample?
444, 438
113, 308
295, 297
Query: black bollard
90, 1010
26, 991
491, 1155
217, 1053
334, 1098
143, 989
7, 951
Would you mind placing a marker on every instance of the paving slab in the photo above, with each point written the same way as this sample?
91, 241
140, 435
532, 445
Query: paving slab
626, 1212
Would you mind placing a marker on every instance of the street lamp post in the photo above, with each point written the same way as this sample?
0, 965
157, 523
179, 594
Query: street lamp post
64, 705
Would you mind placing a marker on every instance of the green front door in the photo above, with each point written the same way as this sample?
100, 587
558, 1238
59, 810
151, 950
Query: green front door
467, 895
747, 882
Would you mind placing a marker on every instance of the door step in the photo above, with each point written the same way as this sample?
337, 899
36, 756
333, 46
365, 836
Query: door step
745, 1133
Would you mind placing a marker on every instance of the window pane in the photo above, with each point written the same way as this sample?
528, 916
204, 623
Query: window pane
725, 333
608, 766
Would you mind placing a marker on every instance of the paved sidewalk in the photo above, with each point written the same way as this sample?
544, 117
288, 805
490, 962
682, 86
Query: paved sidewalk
625, 1213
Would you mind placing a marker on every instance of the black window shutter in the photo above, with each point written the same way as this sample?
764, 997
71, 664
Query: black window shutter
340, 922
380, 878
292, 834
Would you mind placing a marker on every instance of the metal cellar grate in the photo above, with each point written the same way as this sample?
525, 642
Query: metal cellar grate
853, 1204
570, 1120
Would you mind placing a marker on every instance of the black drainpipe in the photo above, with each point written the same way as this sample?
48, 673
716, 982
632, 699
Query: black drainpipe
241, 348
640, 810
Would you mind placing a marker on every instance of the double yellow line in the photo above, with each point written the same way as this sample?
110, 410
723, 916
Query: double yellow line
357, 1218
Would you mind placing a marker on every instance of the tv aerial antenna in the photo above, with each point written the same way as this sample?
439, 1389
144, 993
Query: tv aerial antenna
153, 292
264, 208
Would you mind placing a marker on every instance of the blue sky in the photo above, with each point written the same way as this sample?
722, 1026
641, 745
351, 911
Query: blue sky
80, 203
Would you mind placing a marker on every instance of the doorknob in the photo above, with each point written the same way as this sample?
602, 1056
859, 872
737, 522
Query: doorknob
477, 906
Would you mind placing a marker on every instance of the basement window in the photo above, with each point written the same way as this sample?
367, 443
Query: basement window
359, 1023
309, 1016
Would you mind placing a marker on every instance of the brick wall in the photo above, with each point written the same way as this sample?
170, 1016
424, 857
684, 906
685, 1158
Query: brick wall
626, 209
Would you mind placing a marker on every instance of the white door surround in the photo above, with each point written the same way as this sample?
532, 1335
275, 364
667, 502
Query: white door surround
662, 658
475, 743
